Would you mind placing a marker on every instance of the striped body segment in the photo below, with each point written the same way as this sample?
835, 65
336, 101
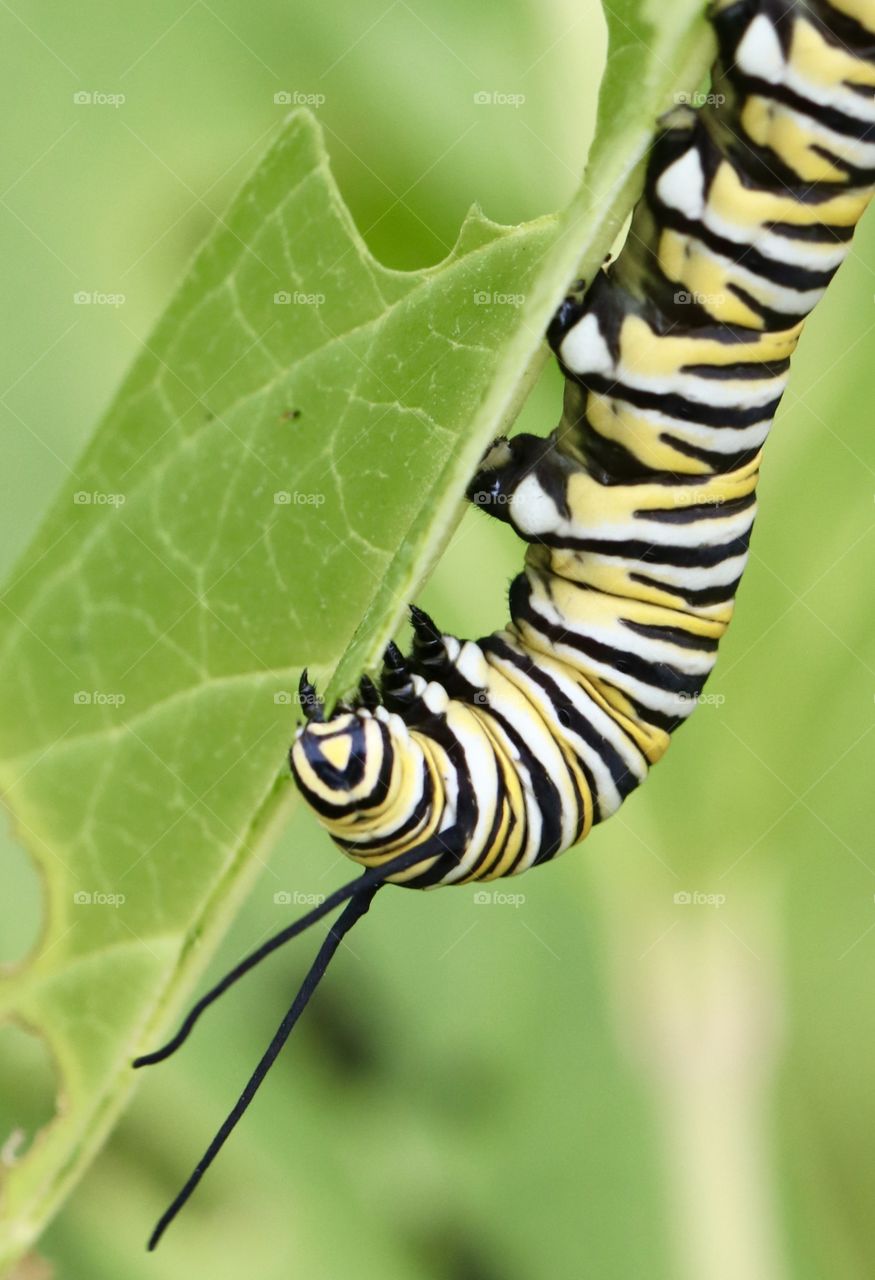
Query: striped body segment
637, 510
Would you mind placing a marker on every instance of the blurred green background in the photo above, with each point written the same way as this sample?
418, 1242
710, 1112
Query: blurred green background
601, 1080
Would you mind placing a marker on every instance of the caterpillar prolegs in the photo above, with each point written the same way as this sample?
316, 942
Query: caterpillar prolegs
474, 760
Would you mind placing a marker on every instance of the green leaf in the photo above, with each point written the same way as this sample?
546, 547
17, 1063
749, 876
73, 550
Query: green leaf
274, 478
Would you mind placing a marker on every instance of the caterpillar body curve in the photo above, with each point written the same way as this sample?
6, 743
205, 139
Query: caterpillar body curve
638, 508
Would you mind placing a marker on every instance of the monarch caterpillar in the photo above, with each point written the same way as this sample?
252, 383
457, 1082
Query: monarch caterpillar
476, 760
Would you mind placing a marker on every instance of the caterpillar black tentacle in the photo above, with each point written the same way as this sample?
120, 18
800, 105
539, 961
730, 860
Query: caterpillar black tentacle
355, 908
480, 759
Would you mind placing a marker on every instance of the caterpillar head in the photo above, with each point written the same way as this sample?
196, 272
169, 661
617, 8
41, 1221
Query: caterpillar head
367, 777
341, 763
